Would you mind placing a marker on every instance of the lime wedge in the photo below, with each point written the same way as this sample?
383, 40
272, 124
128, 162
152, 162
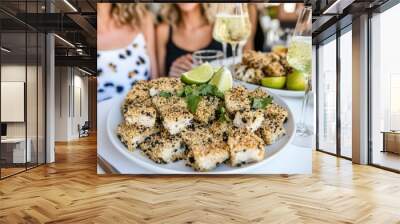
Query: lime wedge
198, 75
222, 79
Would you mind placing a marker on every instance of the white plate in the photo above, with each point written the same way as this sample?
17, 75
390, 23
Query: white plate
280, 92
138, 159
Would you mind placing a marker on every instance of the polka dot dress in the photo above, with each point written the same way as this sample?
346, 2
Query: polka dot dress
118, 70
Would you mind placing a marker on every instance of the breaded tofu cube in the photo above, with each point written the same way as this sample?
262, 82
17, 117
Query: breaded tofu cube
164, 148
206, 109
196, 134
159, 102
249, 119
237, 99
171, 85
276, 112
245, 147
258, 93
140, 115
175, 118
271, 130
131, 135
139, 93
220, 130
206, 157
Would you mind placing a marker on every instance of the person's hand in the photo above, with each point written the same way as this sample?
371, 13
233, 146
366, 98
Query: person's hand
180, 65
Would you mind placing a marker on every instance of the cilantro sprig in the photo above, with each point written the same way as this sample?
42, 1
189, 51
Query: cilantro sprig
261, 103
222, 115
194, 93
165, 94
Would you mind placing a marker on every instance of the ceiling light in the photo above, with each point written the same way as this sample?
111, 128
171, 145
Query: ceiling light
337, 7
84, 71
5, 50
65, 41
289, 7
70, 5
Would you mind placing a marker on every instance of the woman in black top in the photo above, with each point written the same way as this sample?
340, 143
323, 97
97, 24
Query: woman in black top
187, 28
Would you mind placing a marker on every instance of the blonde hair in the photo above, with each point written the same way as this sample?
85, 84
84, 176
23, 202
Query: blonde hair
171, 14
128, 13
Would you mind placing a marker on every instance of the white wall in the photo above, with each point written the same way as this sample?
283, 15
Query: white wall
71, 93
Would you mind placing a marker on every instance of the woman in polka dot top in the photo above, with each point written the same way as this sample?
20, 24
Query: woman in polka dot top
125, 48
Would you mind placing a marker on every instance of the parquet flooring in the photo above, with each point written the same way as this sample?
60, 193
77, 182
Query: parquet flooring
69, 191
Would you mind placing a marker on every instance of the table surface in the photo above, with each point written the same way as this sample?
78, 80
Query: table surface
291, 160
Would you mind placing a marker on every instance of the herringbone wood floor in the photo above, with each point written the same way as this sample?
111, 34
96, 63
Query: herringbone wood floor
69, 191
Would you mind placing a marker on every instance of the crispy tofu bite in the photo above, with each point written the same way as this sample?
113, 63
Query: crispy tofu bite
220, 130
276, 112
271, 130
140, 115
138, 94
131, 135
165, 84
196, 134
175, 118
159, 102
206, 157
164, 148
206, 109
237, 99
249, 119
258, 93
245, 147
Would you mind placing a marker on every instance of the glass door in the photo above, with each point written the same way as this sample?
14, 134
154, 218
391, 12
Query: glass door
14, 153
22, 78
326, 96
385, 90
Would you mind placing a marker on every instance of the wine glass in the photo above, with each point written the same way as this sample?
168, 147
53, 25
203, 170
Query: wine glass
232, 26
299, 57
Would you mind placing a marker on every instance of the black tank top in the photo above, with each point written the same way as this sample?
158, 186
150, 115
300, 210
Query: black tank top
173, 52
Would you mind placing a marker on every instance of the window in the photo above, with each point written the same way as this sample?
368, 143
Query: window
346, 92
385, 87
327, 96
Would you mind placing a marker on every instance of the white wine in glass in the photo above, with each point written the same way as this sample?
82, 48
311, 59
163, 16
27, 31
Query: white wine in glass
232, 29
299, 53
232, 25
299, 57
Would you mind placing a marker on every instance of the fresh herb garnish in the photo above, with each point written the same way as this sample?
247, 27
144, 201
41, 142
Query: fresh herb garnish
261, 103
222, 115
193, 94
165, 94
180, 92
192, 102
210, 90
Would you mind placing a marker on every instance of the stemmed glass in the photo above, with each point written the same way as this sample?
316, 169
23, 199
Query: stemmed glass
232, 26
299, 57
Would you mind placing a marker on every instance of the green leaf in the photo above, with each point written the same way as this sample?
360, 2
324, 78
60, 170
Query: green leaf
188, 90
205, 89
261, 103
222, 116
181, 92
192, 102
217, 93
165, 94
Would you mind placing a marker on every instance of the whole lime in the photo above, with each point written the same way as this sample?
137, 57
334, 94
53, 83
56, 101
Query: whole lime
274, 82
296, 81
